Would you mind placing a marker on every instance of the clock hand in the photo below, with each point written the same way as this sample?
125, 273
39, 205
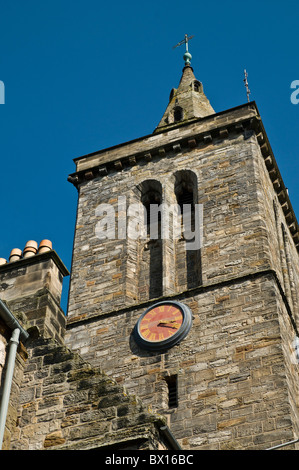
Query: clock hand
166, 321
167, 324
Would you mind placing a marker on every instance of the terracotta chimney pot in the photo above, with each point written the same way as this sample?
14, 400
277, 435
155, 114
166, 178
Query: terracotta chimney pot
31, 244
30, 249
45, 245
15, 255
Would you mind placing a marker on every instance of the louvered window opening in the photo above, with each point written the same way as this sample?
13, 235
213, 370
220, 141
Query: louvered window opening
172, 384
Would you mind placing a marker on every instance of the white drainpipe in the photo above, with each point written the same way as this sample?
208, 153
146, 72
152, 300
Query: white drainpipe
17, 333
14, 341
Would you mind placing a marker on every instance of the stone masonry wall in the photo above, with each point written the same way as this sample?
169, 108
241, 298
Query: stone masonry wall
65, 404
234, 232
232, 380
282, 251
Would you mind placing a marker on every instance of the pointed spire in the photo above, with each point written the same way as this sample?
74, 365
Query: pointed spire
188, 101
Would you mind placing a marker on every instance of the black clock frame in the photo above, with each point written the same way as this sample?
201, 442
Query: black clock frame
167, 343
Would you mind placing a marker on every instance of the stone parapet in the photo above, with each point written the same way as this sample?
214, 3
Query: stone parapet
201, 130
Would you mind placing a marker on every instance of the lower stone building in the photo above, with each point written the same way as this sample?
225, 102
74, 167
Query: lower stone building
181, 340
58, 400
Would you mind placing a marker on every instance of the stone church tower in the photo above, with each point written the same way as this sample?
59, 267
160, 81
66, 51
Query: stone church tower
183, 305
205, 337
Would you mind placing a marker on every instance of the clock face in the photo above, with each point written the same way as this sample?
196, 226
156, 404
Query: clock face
161, 322
163, 325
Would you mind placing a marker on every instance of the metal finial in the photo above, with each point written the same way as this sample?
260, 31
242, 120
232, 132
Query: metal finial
246, 85
187, 55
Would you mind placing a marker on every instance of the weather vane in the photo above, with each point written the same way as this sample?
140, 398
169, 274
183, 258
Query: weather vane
246, 85
187, 55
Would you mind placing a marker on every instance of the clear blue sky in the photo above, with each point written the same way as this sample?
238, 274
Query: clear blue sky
85, 75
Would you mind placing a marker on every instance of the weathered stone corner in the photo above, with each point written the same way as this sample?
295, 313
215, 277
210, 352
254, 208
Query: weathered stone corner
78, 406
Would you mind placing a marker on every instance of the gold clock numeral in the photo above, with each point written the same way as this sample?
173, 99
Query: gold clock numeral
146, 333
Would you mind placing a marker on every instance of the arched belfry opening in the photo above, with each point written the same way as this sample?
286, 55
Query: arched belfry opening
178, 114
188, 256
150, 249
197, 86
151, 198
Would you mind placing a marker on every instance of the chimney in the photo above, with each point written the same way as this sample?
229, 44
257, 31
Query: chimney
31, 284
